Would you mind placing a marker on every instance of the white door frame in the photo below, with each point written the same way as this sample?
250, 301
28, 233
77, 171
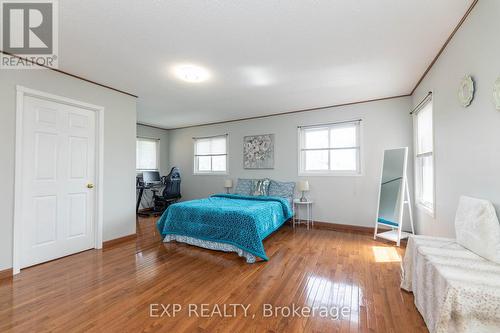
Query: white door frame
98, 217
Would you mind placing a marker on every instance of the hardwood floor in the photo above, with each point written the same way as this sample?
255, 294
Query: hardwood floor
112, 290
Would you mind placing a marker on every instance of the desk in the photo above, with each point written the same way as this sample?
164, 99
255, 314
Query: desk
141, 189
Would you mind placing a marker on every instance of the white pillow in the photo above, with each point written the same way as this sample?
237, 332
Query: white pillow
477, 228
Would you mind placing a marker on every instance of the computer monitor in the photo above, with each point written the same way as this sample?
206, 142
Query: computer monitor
150, 177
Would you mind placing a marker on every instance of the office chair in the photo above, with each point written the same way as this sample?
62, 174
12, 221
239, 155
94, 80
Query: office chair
171, 192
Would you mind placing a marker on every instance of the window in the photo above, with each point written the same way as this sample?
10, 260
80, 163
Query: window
424, 160
210, 155
147, 154
332, 149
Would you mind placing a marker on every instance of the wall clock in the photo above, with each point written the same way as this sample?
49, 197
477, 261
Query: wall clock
496, 93
466, 91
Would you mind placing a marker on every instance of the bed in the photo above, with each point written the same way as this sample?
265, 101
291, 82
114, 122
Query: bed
226, 222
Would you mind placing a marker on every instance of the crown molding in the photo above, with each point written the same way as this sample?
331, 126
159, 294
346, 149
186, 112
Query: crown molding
291, 112
68, 74
457, 27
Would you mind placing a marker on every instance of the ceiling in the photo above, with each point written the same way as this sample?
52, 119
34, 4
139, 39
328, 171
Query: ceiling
265, 57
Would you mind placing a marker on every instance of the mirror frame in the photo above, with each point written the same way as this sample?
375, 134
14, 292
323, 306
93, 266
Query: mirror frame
404, 183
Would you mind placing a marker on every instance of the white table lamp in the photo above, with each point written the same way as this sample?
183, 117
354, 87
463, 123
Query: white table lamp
303, 186
228, 183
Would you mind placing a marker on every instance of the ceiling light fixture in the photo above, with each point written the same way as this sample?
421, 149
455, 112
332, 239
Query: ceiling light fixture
191, 73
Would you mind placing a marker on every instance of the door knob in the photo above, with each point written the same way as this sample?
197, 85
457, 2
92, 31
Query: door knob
90, 185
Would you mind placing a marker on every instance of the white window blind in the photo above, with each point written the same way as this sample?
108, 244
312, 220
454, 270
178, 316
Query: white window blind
147, 154
330, 148
210, 155
424, 159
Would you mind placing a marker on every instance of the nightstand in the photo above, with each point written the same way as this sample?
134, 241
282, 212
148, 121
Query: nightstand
302, 205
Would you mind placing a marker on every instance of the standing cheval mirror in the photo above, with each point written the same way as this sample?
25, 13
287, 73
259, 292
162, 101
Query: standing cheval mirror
394, 195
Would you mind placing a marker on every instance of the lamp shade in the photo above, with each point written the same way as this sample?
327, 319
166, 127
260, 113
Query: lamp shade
303, 186
228, 183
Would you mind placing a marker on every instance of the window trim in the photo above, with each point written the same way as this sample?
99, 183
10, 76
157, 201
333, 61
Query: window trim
331, 173
428, 208
157, 141
210, 173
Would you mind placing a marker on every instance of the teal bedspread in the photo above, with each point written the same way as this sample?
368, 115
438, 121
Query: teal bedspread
243, 221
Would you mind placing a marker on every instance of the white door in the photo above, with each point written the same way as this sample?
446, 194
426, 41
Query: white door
58, 203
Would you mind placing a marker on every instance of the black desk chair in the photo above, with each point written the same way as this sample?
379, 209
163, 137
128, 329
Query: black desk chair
171, 192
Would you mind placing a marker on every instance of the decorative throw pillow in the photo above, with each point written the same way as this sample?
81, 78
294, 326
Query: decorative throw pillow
260, 187
477, 228
244, 187
282, 189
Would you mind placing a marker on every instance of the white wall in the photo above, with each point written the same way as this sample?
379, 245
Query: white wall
119, 149
346, 200
467, 140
